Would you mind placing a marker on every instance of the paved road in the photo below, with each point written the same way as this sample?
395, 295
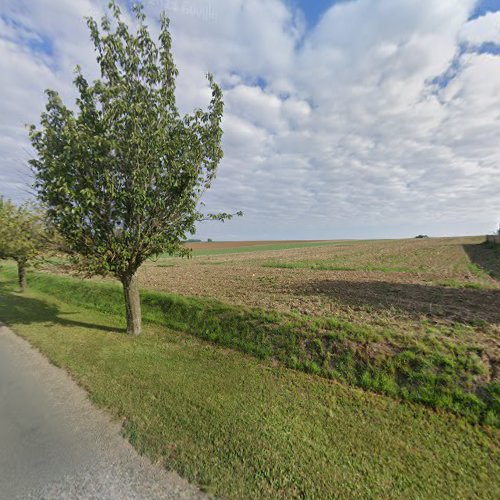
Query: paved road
55, 444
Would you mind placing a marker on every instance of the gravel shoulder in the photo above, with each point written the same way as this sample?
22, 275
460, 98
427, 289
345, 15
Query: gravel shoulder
56, 444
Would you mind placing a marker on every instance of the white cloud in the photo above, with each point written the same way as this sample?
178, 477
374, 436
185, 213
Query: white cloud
338, 131
484, 29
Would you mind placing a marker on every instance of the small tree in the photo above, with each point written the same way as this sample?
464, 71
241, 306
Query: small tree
122, 177
22, 236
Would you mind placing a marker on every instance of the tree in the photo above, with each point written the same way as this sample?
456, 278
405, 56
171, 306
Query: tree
22, 236
122, 176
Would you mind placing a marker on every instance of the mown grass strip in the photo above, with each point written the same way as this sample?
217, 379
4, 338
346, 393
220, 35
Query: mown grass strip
242, 428
441, 375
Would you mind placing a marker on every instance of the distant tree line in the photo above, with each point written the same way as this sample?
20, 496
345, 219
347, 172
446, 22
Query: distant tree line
24, 236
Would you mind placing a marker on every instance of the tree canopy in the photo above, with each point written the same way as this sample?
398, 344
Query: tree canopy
22, 236
123, 174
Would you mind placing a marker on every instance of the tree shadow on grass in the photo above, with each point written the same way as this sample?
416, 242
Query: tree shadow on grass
486, 256
17, 308
414, 300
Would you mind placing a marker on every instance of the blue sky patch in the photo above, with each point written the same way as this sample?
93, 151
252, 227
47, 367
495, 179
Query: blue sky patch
41, 44
488, 48
36, 42
314, 9
485, 6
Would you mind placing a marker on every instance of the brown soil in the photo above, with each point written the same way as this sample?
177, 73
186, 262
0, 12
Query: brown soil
242, 279
325, 292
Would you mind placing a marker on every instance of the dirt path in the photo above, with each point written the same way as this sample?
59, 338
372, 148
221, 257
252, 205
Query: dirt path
55, 444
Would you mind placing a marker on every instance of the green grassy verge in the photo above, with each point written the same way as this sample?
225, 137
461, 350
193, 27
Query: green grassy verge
442, 369
244, 428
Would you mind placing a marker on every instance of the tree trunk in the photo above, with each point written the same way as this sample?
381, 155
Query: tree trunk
21, 274
132, 304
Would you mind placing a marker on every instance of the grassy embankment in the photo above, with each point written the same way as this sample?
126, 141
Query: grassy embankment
238, 426
442, 369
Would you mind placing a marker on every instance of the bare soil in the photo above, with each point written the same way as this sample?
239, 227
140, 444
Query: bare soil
442, 282
246, 279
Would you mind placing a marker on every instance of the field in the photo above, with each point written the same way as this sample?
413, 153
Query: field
417, 319
305, 369
232, 247
333, 277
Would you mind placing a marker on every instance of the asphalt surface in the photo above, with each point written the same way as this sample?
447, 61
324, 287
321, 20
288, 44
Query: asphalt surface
54, 444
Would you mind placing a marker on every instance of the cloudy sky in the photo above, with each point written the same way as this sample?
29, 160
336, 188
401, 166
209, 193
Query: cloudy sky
344, 119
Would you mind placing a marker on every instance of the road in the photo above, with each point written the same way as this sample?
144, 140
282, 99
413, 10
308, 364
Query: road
55, 444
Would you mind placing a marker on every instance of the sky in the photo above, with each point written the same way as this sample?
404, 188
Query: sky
343, 119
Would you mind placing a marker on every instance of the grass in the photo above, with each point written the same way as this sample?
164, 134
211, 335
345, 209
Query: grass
443, 369
244, 428
477, 271
332, 266
453, 283
260, 248
447, 257
485, 259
